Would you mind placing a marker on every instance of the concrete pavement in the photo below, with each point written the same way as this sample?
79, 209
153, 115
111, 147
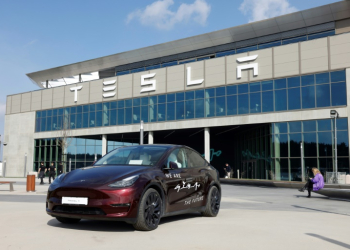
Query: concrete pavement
250, 218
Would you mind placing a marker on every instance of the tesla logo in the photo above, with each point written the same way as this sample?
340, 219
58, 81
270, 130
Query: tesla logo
109, 89
75, 89
150, 82
253, 66
187, 186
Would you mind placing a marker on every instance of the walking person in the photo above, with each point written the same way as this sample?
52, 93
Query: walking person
314, 184
42, 171
52, 172
227, 169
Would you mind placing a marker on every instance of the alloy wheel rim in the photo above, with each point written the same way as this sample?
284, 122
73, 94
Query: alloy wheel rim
152, 210
215, 201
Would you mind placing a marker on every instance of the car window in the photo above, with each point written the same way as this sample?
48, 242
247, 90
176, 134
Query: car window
194, 159
134, 155
179, 157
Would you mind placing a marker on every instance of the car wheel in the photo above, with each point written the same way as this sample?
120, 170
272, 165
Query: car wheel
150, 211
213, 203
67, 220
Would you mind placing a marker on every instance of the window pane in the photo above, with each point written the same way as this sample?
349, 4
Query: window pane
294, 40
99, 119
128, 115
153, 100
92, 119
293, 82
295, 169
281, 145
189, 95
112, 118
161, 99
161, 112
308, 97
267, 85
170, 97
342, 123
209, 93
343, 165
189, 109
343, 143
225, 53
281, 83
136, 102
251, 48
324, 125
170, 111
136, 115
310, 144
199, 94
231, 90
128, 103
322, 78
338, 94
232, 105
294, 127
180, 96
267, 101
243, 88
221, 91
307, 80
255, 103
113, 105
325, 144
281, 127
280, 100
269, 45
220, 106
98, 106
338, 76
144, 101
144, 113
254, 87
121, 115
209, 107
121, 104
79, 121
199, 108
243, 104
152, 112
323, 97
294, 98
85, 120
309, 126
294, 144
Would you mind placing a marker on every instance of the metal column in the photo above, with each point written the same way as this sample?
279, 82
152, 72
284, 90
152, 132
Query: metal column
207, 144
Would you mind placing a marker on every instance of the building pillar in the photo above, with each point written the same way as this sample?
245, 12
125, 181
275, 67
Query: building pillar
207, 144
150, 137
347, 72
104, 145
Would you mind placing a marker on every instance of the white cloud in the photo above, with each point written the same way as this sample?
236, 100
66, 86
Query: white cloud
262, 9
160, 15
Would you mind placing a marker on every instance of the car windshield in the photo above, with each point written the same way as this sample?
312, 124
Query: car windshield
134, 155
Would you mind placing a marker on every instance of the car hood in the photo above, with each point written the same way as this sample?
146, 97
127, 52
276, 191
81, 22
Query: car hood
99, 174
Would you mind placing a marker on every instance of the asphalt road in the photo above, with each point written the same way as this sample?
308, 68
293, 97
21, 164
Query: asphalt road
250, 218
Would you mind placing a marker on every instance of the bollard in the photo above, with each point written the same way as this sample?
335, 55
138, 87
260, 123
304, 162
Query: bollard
238, 173
30, 183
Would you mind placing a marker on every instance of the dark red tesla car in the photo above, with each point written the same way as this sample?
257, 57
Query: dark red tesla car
139, 185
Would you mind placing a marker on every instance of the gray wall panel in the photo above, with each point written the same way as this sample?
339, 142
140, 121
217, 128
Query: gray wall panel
58, 97
46, 98
8, 104
36, 99
16, 104
96, 90
124, 86
215, 72
25, 102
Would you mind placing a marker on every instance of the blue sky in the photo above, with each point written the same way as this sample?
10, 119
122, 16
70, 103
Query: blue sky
37, 34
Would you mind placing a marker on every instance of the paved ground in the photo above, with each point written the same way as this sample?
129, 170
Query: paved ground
250, 218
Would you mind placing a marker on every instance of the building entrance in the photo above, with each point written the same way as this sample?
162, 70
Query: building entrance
249, 169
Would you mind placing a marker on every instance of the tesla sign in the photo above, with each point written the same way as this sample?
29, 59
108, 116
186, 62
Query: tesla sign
148, 83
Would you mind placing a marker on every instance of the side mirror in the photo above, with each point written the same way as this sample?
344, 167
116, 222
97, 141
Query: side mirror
172, 165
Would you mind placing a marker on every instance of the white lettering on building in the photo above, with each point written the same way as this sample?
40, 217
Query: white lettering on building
253, 66
192, 82
109, 89
75, 89
149, 82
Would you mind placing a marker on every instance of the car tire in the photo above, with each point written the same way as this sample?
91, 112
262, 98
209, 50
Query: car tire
213, 204
67, 220
150, 211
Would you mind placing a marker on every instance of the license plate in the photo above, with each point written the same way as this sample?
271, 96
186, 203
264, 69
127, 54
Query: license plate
75, 200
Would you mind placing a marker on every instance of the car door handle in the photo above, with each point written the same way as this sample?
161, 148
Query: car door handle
189, 179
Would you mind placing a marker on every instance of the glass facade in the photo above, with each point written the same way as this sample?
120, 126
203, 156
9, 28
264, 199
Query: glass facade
273, 151
294, 93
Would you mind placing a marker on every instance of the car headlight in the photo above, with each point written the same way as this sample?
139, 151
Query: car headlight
127, 182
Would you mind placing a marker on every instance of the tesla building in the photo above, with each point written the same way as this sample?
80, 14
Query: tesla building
250, 96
